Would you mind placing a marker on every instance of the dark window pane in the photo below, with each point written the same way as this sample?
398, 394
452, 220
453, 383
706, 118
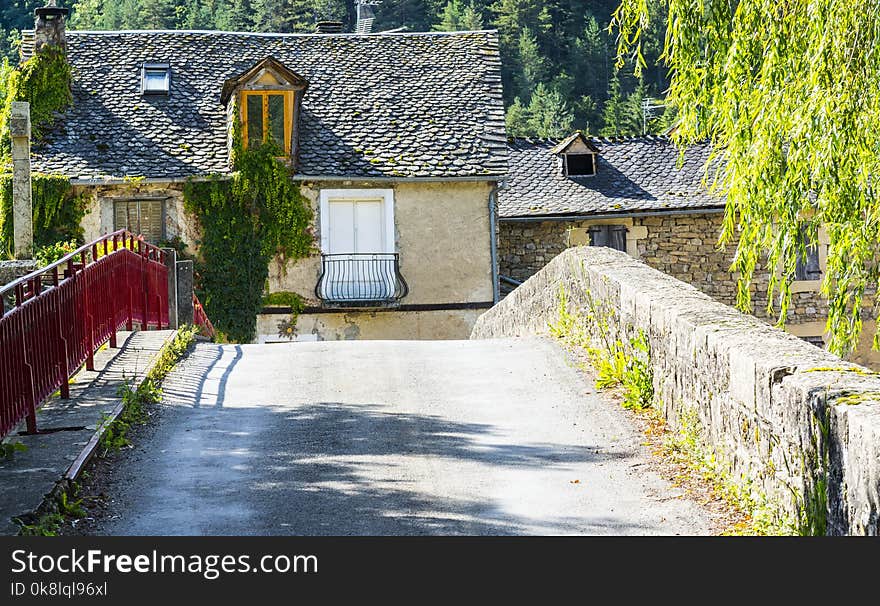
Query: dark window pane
254, 119
611, 236
807, 267
276, 119
580, 164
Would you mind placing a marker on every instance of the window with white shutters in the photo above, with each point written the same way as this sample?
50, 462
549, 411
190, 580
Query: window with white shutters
141, 217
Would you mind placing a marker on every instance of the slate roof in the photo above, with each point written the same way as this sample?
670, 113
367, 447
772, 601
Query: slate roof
633, 174
383, 105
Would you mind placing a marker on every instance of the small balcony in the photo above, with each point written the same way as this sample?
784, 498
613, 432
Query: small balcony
360, 280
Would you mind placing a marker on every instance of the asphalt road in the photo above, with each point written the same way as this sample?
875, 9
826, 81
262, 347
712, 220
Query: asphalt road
386, 438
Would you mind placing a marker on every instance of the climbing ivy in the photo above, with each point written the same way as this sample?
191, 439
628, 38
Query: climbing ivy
246, 220
58, 210
44, 82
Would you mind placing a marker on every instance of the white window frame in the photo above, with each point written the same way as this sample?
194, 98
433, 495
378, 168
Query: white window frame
156, 67
387, 196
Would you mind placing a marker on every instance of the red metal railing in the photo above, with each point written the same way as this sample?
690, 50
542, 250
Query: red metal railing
61, 314
200, 319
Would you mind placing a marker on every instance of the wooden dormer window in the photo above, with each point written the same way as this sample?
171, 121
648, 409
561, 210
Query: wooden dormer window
578, 156
579, 165
267, 99
267, 116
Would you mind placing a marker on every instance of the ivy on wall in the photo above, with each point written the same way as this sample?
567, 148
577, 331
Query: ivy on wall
44, 82
58, 211
246, 221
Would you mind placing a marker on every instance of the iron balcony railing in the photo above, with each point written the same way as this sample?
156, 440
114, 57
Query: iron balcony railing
361, 279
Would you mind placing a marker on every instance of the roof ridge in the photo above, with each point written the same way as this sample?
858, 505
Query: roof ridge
279, 34
593, 138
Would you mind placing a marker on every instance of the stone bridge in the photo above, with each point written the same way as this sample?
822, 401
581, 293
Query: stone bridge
794, 425
501, 434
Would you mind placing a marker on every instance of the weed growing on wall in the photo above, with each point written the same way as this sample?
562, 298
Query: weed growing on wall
137, 397
290, 300
246, 221
618, 362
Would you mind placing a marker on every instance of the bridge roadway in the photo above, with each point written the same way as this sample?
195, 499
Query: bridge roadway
390, 437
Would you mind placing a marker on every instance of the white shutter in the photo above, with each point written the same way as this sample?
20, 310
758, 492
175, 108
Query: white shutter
342, 238
369, 237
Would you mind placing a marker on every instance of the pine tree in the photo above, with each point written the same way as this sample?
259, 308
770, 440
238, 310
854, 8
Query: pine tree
549, 114
457, 16
531, 62
517, 120
614, 112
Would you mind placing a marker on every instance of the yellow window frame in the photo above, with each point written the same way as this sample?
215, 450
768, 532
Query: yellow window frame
288, 115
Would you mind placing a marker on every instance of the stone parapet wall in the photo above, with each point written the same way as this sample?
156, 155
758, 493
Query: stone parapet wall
684, 246
785, 419
13, 270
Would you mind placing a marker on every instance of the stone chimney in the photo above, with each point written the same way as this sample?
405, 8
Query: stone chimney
49, 26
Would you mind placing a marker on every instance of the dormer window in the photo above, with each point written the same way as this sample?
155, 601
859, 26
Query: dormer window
266, 116
579, 165
266, 98
155, 78
578, 156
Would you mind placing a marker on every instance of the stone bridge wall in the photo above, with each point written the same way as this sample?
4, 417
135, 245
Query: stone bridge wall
787, 420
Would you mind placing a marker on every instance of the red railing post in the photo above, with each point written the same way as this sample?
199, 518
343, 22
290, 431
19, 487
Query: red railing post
61, 353
145, 281
87, 316
30, 392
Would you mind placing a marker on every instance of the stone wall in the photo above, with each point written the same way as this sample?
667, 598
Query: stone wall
785, 419
685, 247
13, 270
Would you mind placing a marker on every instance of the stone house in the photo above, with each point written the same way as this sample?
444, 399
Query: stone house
639, 195
396, 139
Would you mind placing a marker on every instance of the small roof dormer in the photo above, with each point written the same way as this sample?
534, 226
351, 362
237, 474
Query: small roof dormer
579, 157
267, 98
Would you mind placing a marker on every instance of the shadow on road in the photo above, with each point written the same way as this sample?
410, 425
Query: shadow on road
336, 468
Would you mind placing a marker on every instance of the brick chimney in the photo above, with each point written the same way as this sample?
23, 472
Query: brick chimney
49, 26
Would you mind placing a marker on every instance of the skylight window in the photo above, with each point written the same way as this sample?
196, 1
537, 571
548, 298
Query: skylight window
156, 79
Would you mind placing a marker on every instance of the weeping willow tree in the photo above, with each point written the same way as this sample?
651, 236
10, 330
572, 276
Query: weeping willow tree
788, 92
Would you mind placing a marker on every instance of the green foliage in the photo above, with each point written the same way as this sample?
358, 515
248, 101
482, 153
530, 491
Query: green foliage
47, 525
685, 445
618, 362
789, 95
567, 36
246, 221
137, 397
68, 508
286, 328
458, 16
44, 82
58, 210
546, 115
47, 255
8, 450
623, 114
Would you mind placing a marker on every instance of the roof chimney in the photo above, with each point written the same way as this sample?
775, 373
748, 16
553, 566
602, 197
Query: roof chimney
49, 27
328, 27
